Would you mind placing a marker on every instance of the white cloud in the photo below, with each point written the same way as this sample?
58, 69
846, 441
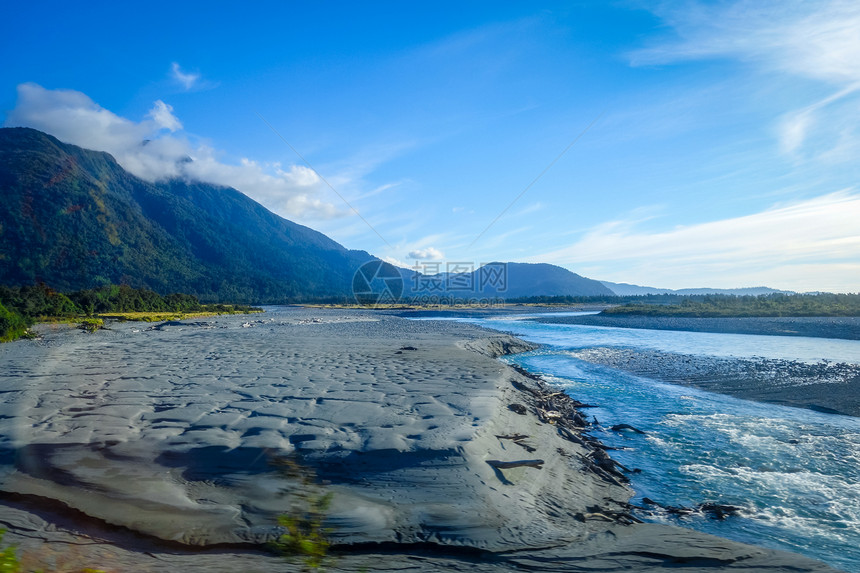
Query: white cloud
396, 262
72, 116
162, 115
794, 129
429, 253
531, 209
186, 79
813, 41
762, 248
155, 149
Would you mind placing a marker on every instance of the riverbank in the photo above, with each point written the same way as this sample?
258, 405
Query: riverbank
158, 442
819, 384
828, 387
843, 327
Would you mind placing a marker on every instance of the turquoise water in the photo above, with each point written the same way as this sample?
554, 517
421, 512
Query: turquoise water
795, 472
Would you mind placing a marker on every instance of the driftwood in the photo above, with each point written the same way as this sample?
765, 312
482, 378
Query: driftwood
525, 372
713, 510
619, 427
571, 437
602, 459
548, 416
518, 440
597, 515
517, 464
603, 474
514, 437
560, 410
596, 512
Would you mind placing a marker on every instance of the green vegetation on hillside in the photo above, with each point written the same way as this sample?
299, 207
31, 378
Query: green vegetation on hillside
21, 307
741, 306
74, 219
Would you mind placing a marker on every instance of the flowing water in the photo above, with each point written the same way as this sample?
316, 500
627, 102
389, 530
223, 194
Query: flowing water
794, 472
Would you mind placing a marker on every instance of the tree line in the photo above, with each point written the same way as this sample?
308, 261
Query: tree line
714, 305
701, 306
22, 306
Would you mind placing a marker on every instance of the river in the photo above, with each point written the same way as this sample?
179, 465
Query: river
794, 472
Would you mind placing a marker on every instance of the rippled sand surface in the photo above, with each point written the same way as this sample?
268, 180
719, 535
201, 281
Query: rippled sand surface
129, 438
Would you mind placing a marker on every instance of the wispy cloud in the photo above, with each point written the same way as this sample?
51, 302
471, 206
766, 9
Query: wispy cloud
534, 207
777, 242
811, 39
186, 79
814, 41
797, 125
155, 148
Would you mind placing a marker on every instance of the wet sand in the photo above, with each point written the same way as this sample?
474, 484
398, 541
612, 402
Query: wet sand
149, 449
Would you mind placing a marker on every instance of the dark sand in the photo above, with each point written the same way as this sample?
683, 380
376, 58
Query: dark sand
142, 449
845, 327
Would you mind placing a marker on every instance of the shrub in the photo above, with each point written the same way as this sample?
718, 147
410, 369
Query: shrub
8, 558
91, 324
12, 325
304, 536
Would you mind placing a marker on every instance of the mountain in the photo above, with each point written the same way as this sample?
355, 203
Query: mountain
73, 219
503, 280
625, 289
530, 279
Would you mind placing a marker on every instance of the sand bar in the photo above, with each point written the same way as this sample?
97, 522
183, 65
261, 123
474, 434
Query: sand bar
149, 448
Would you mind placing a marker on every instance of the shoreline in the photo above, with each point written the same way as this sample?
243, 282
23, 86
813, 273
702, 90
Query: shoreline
825, 387
839, 327
437, 489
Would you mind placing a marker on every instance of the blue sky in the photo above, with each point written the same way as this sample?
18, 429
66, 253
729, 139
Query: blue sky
714, 143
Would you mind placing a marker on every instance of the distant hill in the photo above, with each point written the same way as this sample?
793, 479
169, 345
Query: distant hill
74, 219
504, 280
625, 289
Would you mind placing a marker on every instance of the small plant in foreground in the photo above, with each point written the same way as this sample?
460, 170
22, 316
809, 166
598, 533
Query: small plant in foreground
8, 558
305, 535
